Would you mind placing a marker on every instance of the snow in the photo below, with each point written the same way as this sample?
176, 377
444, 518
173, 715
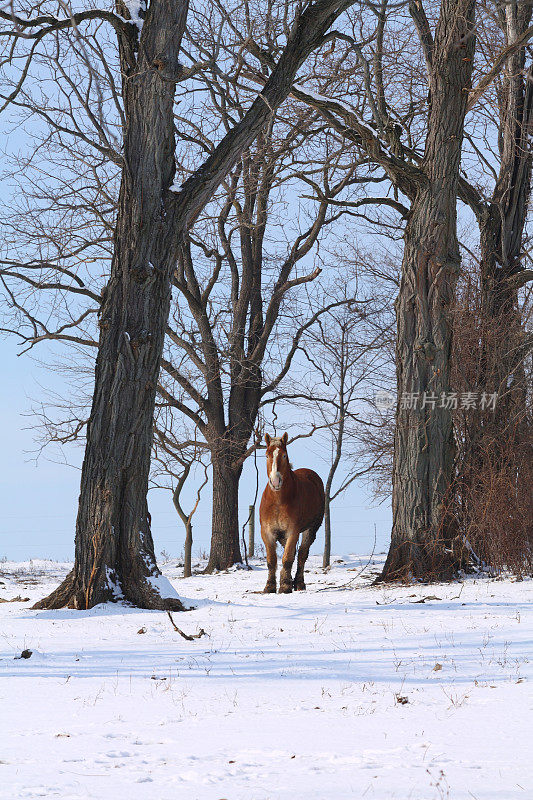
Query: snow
135, 7
162, 585
322, 98
287, 696
113, 583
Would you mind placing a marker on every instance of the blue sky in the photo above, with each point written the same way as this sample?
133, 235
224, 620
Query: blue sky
39, 499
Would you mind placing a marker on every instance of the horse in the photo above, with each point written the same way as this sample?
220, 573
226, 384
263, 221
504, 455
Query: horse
292, 504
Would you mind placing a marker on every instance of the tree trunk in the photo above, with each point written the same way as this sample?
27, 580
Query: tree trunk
228, 444
423, 531
502, 235
186, 519
326, 557
502, 334
187, 565
114, 555
225, 549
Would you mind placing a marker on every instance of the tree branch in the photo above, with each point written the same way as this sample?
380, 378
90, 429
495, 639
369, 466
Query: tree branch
498, 65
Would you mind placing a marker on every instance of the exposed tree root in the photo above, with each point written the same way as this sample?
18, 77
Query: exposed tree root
70, 595
409, 562
61, 597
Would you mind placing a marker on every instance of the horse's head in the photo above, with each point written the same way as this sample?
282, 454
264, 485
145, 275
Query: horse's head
277, 460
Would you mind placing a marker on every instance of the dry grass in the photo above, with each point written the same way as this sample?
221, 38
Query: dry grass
493, 498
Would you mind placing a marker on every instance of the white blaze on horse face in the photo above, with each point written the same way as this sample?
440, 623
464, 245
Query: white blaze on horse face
275, 476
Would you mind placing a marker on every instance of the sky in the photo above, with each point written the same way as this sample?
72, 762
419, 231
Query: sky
39, 496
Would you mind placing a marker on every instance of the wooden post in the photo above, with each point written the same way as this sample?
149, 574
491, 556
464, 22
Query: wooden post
251, 532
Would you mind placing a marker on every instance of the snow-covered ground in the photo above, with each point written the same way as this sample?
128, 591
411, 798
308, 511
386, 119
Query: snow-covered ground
339, 692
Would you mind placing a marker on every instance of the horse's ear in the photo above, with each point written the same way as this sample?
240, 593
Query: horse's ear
267, 439
285, 439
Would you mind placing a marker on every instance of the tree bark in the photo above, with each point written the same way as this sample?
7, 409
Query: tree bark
225, 550
423, 532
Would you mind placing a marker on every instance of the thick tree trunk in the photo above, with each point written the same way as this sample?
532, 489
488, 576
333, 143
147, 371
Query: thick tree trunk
423, 533
225, 549
114, 555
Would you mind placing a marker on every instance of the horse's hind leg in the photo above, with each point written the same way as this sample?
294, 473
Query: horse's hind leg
308, 537
269, 541
285, 580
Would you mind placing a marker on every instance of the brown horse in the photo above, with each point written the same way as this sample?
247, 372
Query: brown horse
292, 504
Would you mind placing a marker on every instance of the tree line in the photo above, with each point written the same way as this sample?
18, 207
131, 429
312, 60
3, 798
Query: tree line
196, 196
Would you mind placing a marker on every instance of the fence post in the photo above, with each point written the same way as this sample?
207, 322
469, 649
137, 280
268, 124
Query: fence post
251, 532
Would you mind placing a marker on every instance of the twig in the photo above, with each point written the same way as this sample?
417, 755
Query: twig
201, 632
371, 556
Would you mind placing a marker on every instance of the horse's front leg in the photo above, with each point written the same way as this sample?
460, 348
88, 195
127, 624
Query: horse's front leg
285, 580
270, 546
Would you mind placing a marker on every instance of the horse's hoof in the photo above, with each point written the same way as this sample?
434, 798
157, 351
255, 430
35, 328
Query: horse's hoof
285, 588
299, 587
270, 588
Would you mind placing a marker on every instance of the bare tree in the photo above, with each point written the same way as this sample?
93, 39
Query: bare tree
114, 548
424, 541
221, 347
502, 218
239, 310
185, 517
383, 78
424, 447
490, 318
334, 387
175, 457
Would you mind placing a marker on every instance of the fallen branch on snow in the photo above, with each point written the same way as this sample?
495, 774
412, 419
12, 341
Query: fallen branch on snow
189, 638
